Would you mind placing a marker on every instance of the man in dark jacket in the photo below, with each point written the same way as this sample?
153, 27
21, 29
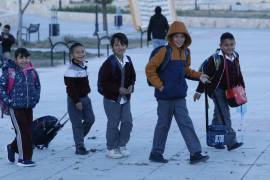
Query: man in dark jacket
158, 28
7, 41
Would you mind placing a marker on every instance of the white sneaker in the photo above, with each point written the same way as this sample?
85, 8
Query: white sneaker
114, 154
124, 151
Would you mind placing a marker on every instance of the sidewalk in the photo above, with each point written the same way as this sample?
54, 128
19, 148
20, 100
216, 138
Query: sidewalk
252, 161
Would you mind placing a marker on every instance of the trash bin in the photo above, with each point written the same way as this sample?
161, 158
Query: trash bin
54, 29
118, 20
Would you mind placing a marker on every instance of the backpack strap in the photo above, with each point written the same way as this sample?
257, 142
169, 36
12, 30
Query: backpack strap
217, 60
35, 77
11, 79
186, 55
166, 59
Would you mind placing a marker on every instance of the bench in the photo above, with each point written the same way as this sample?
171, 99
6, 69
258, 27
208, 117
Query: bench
143, 30
59, 45
103, 39
27, 31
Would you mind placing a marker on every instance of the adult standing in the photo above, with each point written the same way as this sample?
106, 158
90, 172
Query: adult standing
157, 28
7, 41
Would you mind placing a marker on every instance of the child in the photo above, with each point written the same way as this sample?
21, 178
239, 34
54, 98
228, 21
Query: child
116, 79
23, 83
79, 104
170, 92
219, 83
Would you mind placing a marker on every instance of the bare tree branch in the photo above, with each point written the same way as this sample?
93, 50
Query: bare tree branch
26, 5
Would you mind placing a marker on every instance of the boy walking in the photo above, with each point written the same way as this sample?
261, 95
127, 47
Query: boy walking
224, 61
79, 104
116, 83
170, 92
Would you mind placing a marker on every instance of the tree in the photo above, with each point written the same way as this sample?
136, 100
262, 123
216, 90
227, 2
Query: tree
20, 21
196, 5
104, 12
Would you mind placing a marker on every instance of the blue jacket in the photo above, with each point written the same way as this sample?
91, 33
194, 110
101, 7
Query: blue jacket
25, 92
173, 77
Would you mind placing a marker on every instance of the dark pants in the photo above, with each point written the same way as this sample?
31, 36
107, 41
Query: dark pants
22, 121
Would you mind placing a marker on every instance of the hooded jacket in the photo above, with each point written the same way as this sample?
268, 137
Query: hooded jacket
25, 92
173, 79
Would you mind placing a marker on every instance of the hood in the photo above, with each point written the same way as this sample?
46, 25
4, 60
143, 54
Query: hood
158, 10
179, 27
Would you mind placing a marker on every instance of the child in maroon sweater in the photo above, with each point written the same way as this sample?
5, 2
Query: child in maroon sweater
229, 61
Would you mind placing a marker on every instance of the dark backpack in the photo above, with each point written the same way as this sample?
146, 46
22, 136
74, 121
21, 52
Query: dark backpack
114, 64
166, 60
45, 128
217, 62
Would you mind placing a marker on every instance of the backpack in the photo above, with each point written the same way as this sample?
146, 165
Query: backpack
11, 77
114, 65
217, 61
166, 60
44, 129
11, 80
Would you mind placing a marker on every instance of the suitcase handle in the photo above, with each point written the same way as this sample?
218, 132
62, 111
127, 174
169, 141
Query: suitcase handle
207, 107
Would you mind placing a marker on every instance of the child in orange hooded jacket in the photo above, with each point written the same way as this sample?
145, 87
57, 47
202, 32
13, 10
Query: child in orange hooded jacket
170, 92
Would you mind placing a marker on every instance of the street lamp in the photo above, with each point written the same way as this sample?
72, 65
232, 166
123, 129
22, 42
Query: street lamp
96, 20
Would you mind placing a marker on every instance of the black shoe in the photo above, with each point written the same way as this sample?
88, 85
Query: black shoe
25, 163
81, 150
234, 146
198, 157
157, 157
11, 154
219, 146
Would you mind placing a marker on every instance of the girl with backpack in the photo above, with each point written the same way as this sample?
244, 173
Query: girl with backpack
20, 92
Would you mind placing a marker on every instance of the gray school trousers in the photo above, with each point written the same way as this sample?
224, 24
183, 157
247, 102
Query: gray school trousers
117, 115
225, 110
166, 110
81, 121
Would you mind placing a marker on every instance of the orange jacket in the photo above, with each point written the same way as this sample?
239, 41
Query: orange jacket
177, 54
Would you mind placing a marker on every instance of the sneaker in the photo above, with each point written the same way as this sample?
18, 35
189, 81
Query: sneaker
25, 163
234, 146
11, 154
81, 150
198, 157
219, 146
114, 154
124, 151
157, 157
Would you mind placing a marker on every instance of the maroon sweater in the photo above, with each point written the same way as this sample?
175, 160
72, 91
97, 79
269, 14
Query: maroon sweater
111, 81
76, 81
218, 77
